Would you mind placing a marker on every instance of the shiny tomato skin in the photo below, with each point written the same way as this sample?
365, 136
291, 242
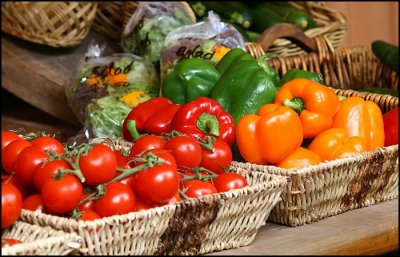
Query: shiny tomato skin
11, 152
118, 199
11, 204
47, 143
122, 160
62, 195
47, 170
391, 127
195, 188
87, 205
229, 181
157, 184
27, 161
25, 190
7, 137
145, 143
99, 165
141, 205
33, 203
89, 215
218, 160
186, 150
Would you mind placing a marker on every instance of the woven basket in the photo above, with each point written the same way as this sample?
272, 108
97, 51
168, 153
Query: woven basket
57, 24
194, 226
37, 240
334, 187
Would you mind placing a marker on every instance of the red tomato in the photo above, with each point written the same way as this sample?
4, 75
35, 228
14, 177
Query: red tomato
166, 156
33, 202
9, 241
157, 184
87, 205
391, 126
7, 137
11, 204
122, 160
11, 152
89, 215
99, 165
27, 161
141, 205
47, 143
219, 159
145, 143
175, 199
186, 150
47, 170
196, 188
62, 195
228, 181
118, 199
25, 190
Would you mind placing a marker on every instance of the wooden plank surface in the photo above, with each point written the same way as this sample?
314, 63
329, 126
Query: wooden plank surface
39, 74
370, 230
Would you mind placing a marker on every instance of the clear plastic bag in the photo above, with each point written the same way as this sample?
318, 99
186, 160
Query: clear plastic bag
105, 89
147, 28
209, 39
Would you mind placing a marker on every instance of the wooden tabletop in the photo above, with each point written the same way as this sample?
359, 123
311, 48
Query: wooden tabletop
372, 230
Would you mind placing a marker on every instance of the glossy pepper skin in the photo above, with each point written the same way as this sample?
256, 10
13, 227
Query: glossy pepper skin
315, 104
245, 86
335, 143
361, 118
191, 78
153, 116
299, 158
232, 56
391, 126
270, 135
297, 73
204, 117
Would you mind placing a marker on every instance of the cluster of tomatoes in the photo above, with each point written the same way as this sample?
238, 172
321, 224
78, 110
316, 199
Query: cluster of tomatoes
95, 181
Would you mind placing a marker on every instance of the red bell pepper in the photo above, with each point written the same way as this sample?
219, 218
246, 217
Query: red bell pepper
153, 116
391, 126
204, 117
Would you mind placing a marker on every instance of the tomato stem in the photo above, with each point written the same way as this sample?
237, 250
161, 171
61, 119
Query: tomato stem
207, 143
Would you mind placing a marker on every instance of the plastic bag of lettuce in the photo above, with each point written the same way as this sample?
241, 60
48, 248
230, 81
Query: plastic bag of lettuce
105, 89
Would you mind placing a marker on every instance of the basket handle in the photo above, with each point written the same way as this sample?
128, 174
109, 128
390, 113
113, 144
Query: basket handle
319, 44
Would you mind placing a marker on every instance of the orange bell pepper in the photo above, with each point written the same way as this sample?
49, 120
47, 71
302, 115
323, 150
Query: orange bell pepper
301, 157
315, 103
335, 143
270, 135
361, 118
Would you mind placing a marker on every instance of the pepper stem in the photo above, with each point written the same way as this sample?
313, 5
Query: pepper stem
296, 104
208, 123
131, 125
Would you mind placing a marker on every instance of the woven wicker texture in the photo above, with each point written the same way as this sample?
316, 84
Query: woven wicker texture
195, 226
108, 19
39, 240
334, 187
57, 24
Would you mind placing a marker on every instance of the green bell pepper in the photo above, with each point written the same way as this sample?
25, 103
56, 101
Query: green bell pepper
245, 86
233, 55
191, 78
297, 73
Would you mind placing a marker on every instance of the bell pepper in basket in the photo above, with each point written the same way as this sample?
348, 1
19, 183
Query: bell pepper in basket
153, 116
245, 86
204, 117
299, 158
361, 118
190, 79
335, 143
270, 135
315, 104
232, 56
297, 73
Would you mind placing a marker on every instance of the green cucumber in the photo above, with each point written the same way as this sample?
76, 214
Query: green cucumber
263, 18
235, 12
387, 53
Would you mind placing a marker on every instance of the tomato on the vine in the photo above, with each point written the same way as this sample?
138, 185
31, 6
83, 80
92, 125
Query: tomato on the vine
228, 181
122, 160
25, 190
33, 203
7, 137
145, 143
47, 143
11, 152
27, 161
89, 215
11, 204
62, 195
219, 159
118, 199
186, 150
195, 188
47, 170
99, 165
141, 205
87, 205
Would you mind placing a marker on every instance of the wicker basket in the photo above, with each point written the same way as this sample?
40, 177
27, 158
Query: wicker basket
334, 187
57, 24
37, 240
195, 226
